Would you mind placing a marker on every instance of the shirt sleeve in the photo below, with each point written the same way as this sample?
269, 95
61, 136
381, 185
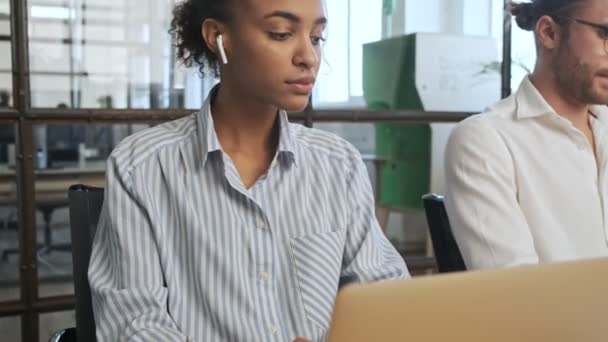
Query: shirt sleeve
481, 200
127, 283
369, 256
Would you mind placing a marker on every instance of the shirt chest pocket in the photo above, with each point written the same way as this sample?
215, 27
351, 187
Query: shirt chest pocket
318, 262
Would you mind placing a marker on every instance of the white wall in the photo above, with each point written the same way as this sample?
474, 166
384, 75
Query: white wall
470, 17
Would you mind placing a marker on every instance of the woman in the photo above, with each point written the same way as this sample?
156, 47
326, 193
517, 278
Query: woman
233, 224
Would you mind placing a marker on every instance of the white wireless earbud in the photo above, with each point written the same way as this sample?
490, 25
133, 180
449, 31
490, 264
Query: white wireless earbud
220, 47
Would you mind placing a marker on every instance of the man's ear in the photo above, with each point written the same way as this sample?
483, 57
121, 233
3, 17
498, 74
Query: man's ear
548, 32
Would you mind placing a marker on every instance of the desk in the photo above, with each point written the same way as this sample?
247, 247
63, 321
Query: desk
51, 191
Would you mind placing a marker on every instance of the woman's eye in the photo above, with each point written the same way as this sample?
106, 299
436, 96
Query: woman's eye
316, 40
280, 36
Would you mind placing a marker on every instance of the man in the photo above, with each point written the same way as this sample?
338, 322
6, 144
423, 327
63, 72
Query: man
527, 180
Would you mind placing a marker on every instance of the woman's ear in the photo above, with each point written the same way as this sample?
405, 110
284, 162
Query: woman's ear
214, 35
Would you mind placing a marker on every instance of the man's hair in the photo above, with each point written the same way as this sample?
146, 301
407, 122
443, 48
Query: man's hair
527, 14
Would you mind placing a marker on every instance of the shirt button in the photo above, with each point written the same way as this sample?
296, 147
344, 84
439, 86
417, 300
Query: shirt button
264, 276
261, 224
273, 329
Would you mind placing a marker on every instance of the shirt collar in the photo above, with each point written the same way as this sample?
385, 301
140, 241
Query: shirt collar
210, 142
600, 114
287, 142
531, 104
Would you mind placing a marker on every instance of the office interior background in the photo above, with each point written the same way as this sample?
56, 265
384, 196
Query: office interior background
78, 76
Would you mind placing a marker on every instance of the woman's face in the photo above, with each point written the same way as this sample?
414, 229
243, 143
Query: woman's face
274, 50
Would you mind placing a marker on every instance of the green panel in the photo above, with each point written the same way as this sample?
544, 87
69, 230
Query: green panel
389, 74
406, 176
403, 141
389, 83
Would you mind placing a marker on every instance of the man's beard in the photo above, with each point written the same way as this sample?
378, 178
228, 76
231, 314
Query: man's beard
575, 79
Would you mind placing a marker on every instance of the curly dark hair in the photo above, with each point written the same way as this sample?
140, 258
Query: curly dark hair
527, 14
188, 17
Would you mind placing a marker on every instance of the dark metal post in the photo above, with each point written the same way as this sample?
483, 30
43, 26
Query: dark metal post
25, 170
506, 51
308, 120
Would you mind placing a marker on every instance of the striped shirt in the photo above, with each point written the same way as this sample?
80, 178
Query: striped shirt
185, 252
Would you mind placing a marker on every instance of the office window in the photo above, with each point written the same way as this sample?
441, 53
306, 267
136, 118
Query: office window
9, 253
10, 328
6, 79
523, 50
88, 52
108, 54
352, 23
66, 155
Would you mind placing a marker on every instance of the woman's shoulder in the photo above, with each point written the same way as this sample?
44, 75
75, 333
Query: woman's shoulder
140, 146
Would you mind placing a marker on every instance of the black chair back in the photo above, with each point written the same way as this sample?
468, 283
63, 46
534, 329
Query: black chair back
85, 207
446, 250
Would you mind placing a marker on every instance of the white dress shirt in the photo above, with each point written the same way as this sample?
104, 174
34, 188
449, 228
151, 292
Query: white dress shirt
524, 185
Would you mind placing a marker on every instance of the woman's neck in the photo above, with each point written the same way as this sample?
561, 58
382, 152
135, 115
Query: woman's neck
244, 123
